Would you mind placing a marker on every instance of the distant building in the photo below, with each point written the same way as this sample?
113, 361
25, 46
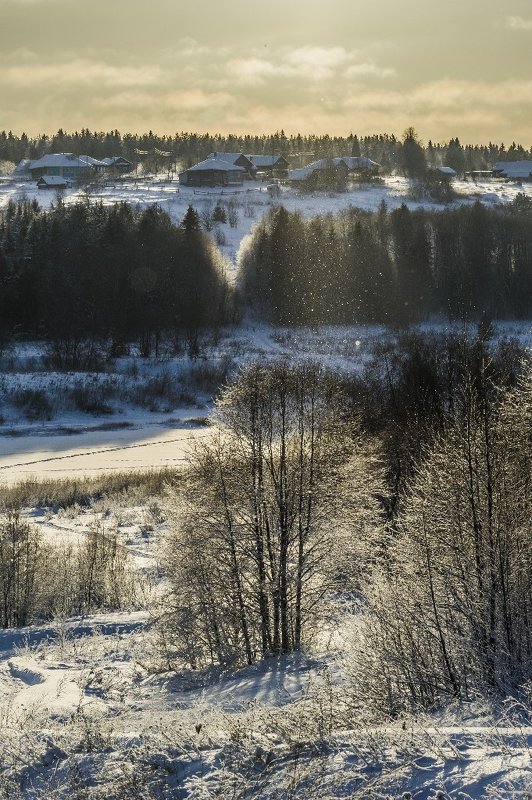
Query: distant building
332, 172
237, 159
52, 182
514, 170
327, 173
270, 165
117, 164
441, 174
213, 172
360, 164
65, 165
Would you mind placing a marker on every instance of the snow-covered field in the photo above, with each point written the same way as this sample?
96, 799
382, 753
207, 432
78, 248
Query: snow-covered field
83, 708
89, 708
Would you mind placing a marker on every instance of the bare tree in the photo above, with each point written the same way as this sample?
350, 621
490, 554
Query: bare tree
453, 613
270, 506
20, 564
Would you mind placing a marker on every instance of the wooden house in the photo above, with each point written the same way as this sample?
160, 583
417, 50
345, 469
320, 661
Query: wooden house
65, 165
52, 182
268, 166
213, 172
237, 159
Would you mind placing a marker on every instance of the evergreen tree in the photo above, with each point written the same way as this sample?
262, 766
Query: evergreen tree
412, 155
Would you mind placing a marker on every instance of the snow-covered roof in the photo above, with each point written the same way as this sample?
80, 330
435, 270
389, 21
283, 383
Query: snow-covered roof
301, 173
109, 161
446, 170
23, 165
353, 163
514, 169
64, 160
264, 161
218, 164
231, 157
52, 180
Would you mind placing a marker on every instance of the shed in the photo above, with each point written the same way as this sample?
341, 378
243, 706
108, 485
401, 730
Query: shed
52, 182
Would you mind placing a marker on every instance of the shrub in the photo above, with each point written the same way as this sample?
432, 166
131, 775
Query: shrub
90, 399
219, 214
33, 403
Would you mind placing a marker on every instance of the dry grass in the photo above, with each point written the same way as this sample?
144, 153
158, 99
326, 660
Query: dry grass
83, 491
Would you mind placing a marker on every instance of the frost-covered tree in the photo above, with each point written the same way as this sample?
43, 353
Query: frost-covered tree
20, 564
275, 506
452, 613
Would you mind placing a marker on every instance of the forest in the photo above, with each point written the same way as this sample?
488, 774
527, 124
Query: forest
395, 267
112, 276
81, 274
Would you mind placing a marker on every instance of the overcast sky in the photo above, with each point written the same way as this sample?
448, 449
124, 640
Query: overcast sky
447, 67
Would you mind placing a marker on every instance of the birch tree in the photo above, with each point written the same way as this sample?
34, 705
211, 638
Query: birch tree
274, 505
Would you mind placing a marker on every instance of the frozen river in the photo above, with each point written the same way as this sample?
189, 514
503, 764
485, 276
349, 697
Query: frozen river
60, 452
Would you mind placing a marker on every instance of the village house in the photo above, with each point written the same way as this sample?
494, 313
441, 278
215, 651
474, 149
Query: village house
513, 170
269, 166
65, 165
332, 173
237, 159
213, 172
117, 164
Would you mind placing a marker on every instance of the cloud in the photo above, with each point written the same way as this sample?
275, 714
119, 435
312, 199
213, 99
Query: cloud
81, 72
519, 24
367, 68
305, 64
30, 2
191, 86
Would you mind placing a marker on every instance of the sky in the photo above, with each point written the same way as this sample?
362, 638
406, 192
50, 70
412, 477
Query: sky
447, 67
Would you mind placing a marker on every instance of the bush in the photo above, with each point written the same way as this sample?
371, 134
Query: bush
90, 399
219, 214
33, 403
71, 354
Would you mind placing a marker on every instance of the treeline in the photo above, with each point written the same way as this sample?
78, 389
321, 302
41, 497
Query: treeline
392, 267
189, 147
85, 273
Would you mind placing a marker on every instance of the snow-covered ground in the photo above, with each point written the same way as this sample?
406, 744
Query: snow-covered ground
81, 707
